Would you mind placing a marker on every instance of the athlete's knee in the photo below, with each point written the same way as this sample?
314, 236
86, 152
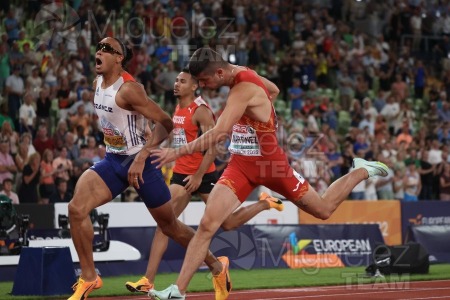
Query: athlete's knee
318, 208
208, 225
228, 225
77, 209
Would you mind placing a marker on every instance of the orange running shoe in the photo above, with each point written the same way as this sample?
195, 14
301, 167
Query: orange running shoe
142, 285
222, 281
273, 202
83, 288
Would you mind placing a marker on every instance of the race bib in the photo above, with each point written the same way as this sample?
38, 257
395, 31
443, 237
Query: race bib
114, 141
244, 141
179, 137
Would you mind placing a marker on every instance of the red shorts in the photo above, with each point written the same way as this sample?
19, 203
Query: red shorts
243, 174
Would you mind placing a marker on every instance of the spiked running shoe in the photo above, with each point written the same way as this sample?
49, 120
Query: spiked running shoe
83, 288
222, 281
172, 292
273, 202
142, 285
373, 168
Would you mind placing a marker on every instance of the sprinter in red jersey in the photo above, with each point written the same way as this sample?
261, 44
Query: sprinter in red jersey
257, 159
194, 173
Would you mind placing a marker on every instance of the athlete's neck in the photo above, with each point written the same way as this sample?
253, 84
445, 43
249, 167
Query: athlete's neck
231, 73
110, 78
186, 101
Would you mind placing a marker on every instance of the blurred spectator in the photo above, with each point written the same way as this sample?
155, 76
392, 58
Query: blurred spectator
165, 82
34, 82
412, 183
27, 115
61, 194
59, 136
390, 112
426, 176
7, 165
12, 26
8, 191
295, 95
62, 165
81, 119
7, 134
73, 150
384, 186
28, 190
14, 90
43, 106
46, 184
399, 183
4, 66
42, 141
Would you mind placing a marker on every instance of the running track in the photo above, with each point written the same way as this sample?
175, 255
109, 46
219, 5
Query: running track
437, 289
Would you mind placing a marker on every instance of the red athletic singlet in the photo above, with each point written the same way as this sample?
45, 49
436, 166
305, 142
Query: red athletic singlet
185, 131
257, 159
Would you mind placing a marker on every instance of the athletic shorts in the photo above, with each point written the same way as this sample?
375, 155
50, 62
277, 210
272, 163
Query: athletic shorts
206, 186
113, 169
243, 174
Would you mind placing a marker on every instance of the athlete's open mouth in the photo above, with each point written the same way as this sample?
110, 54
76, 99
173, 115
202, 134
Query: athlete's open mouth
98, 61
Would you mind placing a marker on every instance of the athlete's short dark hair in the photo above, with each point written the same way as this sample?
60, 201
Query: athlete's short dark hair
205, 60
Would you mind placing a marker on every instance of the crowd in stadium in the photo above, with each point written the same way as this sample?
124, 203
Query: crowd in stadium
361, 78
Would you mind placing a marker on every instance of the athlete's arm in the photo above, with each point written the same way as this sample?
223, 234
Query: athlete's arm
237, 102
271, 87
132, 96
204, 117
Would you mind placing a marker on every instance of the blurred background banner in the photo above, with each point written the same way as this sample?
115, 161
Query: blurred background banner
385, 213
431, 237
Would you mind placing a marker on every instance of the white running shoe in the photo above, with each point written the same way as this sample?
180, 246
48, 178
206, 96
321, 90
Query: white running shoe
374, 168
171, 292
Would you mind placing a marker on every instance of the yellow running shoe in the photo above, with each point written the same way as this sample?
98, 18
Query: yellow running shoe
222, 281
83, 288
273, 202
142, 285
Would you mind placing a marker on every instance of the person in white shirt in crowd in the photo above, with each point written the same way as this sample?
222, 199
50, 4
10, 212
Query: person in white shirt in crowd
86, 102
390, 111
368, 123
27, 114
384, 186
412, 183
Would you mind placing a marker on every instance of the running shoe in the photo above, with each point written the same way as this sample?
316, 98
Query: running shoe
373, 168
222, 281
83, 288
273, 202
142, 285
172, 292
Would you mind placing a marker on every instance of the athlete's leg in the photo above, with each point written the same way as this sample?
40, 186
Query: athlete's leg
221, 203
180, 199
180, 232
323, 206
242, 215
90, 192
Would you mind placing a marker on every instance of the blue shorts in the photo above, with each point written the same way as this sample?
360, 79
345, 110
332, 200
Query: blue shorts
113, 169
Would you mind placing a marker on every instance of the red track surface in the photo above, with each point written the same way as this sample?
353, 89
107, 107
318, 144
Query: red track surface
439, 289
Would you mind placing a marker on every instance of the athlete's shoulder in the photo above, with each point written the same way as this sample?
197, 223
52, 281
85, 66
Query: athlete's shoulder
200, 101
127, 77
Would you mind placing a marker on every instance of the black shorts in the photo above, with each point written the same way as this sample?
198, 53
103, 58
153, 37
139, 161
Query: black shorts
208, 182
